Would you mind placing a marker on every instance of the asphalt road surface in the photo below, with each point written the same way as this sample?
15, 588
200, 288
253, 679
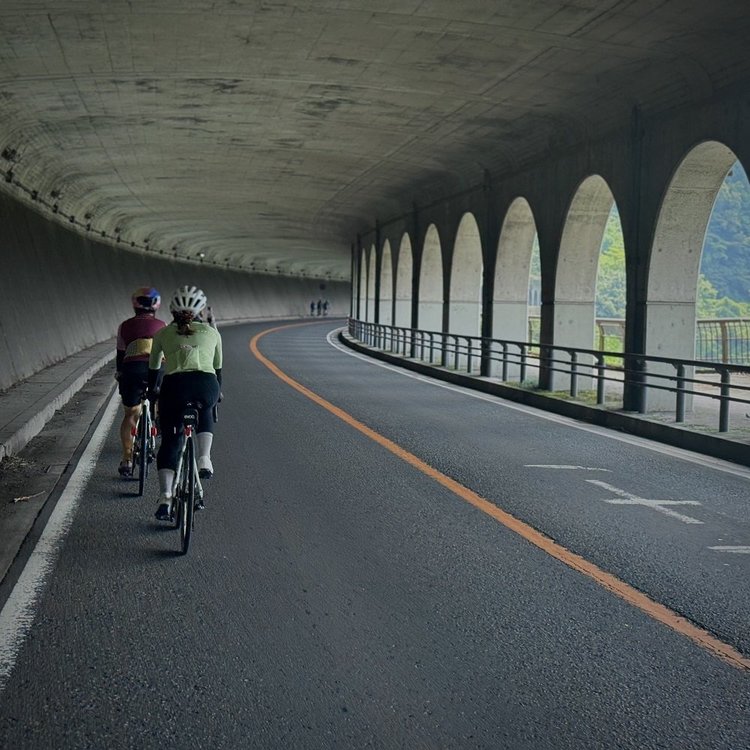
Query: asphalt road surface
343, 591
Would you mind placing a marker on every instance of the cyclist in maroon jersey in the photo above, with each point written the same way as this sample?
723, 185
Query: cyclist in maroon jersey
133, 348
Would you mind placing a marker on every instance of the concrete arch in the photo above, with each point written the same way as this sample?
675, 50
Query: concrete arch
431, 282
510, 301
386, 285
371, 285
404, 273
578, 261
465, 298
675, 257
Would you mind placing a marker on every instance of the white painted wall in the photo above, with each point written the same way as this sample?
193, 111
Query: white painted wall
431, 283
510, 306
578, 261
465, 309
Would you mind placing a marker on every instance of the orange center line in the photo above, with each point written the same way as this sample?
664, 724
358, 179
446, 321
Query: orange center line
636, 598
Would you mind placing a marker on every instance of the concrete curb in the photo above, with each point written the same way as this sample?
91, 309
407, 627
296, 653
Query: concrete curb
34, 415
680, 437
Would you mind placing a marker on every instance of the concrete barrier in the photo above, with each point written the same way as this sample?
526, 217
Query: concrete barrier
62, 292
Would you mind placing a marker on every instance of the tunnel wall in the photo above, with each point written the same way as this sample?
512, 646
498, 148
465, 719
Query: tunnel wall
62, 292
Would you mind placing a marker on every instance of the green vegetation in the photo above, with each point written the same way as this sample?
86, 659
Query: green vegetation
726, 254
610, 278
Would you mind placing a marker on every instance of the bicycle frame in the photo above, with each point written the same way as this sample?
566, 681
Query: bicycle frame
187, 490
187, 435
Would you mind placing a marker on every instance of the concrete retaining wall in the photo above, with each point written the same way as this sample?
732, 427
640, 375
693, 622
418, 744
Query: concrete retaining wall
61, 292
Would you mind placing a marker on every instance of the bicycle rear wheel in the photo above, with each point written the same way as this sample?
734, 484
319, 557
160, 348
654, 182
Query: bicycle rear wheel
187, 495
142, 438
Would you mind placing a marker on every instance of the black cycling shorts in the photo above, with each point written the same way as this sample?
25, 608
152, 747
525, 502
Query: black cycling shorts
133, 382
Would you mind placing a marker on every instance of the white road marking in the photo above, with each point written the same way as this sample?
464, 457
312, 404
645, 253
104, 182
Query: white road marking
737, 550
626, 498
563, 466
694, 458
17, 616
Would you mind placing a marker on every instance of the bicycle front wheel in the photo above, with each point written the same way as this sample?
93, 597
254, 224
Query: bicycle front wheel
187, 495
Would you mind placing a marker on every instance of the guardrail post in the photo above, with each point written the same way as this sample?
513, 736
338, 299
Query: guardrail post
469, 350
444, 350
522, 368
724, 342
485, 363
546, 376
680, 399
724, 402
505, 362
573, 374
600, 378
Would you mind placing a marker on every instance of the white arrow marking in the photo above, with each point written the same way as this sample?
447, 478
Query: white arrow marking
626, 498
738, 550
563, 466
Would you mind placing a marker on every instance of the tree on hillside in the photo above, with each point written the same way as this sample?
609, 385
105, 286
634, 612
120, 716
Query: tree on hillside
726, 252
610, 277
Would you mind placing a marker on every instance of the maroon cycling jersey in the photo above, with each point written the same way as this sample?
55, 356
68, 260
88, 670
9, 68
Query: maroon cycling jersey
134, 337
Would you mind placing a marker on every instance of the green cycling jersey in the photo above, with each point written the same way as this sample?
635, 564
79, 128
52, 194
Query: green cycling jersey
199, 351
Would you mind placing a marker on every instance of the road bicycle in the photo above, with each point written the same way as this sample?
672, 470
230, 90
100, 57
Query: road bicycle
187, 490
144, 444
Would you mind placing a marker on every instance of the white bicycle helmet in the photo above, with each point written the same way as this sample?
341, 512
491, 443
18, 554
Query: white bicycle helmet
188, 299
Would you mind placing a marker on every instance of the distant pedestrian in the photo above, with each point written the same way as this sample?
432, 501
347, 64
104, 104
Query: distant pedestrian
312, 308
325, 307
320, 306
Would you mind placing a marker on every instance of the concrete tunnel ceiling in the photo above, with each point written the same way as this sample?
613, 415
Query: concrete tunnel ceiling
267, 134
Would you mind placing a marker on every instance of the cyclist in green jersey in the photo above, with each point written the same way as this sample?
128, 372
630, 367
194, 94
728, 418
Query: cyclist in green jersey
192, 356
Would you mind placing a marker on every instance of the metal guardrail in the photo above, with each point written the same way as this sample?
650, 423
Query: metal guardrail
725, 340
514, 361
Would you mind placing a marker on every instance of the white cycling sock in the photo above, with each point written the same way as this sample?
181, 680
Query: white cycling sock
166, 480
204, 444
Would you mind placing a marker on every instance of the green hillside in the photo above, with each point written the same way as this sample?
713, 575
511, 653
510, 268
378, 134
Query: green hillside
726, 254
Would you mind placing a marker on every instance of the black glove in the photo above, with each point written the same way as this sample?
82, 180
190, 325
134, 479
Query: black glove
152, 394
